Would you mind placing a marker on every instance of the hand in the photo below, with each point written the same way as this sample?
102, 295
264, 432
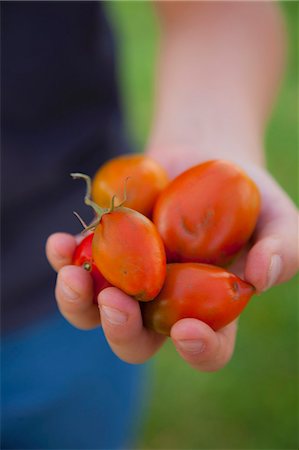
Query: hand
121, 318
196, 342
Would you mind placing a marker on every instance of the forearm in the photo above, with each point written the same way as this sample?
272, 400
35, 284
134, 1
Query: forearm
218, 72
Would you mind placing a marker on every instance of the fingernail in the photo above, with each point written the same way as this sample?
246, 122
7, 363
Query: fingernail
69, 292
191, 346
114, 316
274, 271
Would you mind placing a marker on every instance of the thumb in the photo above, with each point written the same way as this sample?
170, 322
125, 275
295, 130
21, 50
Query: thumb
274, 258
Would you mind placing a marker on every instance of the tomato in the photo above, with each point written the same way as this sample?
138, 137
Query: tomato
200, 291
145, 180
126, 247
207, 213
129, 252
83, 257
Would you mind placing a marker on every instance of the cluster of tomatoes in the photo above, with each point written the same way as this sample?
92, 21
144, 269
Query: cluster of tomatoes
167, 243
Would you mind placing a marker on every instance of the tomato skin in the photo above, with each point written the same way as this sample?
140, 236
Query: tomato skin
129, 252
200, 291
145, 180
207, 213
83, 257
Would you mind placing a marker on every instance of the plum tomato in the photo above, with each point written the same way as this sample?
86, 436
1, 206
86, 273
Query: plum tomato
207, 213
129, 252
200, 291
146, 179
126, 248
83, 257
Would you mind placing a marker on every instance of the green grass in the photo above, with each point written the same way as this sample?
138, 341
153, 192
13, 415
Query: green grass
253, 402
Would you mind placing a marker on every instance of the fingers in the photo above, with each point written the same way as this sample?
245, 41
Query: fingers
74, 287
74, 294
196, 342
121, 317
274, 258
60, 248
123, 328
201, 347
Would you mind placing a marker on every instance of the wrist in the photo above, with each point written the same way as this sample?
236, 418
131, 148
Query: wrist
179, 156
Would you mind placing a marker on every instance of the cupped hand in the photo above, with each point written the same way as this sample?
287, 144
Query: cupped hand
271, 259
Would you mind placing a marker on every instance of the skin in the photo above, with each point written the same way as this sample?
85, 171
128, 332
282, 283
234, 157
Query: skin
208, 105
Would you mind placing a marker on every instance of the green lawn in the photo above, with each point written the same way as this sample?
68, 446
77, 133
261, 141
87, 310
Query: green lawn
253, 402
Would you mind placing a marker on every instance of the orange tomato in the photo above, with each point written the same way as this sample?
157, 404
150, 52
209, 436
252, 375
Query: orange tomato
199, 291
207, 213
129, 252
145, 180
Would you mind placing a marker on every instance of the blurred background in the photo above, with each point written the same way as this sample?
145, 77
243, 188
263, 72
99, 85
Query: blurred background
253, 402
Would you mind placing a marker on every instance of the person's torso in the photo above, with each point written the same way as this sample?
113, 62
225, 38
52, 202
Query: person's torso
60, 113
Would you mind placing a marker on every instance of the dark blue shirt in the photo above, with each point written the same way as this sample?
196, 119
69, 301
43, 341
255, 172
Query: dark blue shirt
60, 113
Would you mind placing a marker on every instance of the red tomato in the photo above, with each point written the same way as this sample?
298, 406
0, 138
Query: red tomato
199, 291
126, 247
207, 213
129, 252
83, 257
145, 180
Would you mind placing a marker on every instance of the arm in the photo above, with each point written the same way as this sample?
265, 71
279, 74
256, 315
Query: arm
218, 73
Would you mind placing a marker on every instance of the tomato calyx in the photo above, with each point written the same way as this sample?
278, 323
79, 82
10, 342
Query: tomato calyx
99, 211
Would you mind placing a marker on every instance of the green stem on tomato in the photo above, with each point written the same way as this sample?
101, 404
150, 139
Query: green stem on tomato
84, 225
125, 198
97, 209
87, 200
